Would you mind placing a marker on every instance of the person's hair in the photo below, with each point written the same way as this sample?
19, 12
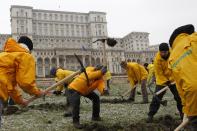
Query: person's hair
146, 64
123, 63
27, 41
53, 71
163, 47
188, 29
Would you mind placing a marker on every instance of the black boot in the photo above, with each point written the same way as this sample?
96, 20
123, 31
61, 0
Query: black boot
130, 99
96, 118
149, 119
77, 125
106, 92
67, 114
57, 93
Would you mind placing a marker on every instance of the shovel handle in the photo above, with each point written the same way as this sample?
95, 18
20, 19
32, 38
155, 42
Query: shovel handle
127, 92
66, 79
164, 89
183, 124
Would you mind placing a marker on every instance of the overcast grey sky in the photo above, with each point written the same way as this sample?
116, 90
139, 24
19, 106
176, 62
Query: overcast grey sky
158, 17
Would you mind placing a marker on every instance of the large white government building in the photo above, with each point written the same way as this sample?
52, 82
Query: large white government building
57, 35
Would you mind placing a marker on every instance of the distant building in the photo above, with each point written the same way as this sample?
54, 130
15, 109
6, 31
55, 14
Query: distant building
57, 35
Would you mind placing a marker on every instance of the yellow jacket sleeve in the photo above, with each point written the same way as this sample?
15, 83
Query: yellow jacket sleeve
15, 94
25, 74
61, 74
94, 75
159, 73
107, 75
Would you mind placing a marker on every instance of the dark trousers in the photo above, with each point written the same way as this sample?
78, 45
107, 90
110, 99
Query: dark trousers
154, 106
108, 85
193, 121
1, 109
144, 92
66, 94
74, 100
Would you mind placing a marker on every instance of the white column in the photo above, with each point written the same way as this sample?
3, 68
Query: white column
43, 68
58, 64
65, 65
83, 59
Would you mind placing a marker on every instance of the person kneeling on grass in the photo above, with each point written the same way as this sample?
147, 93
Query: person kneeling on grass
92, 90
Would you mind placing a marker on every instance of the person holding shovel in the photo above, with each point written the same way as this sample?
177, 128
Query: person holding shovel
107, 77
183, 63
17, 67
163, 78
136, 74
91, 87
60, 74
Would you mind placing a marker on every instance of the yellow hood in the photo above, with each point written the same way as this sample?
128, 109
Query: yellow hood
12, 46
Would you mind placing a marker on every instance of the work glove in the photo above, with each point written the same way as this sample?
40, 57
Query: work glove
104, 70
168, 83
24, 103
82, 70
185, 117
98, 67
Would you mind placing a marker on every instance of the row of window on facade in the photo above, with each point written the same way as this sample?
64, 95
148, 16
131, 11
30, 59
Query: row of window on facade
65, 17
45, 53
21, 13
55, 41
22, 22
60, 32
62, 25
141, 45
60, 29
116, 59
22, 29
141, 38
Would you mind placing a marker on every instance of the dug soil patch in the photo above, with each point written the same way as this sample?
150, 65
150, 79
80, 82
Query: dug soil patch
165, 123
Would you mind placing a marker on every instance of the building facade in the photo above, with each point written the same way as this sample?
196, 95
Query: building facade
57, 35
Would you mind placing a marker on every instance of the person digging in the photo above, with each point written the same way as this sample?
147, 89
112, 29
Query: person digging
90, 88
136, 74
17, 67
60, 74
183, 63
163, 78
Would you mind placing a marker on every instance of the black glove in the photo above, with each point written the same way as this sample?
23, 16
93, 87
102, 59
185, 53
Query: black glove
82, 70
98, 67
104, 70
168, 83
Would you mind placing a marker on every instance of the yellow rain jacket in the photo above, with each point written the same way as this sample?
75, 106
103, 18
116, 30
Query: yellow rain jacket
61, 74
107, 75
183, 62
17, 66
150, 73
162, 72
136, 73
96, 81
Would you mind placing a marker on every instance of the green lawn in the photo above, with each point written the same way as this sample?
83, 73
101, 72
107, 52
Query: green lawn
122, 116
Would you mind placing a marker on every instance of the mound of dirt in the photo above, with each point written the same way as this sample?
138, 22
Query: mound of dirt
9, 110
165, 123
115, 101
49, 106
99, 127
